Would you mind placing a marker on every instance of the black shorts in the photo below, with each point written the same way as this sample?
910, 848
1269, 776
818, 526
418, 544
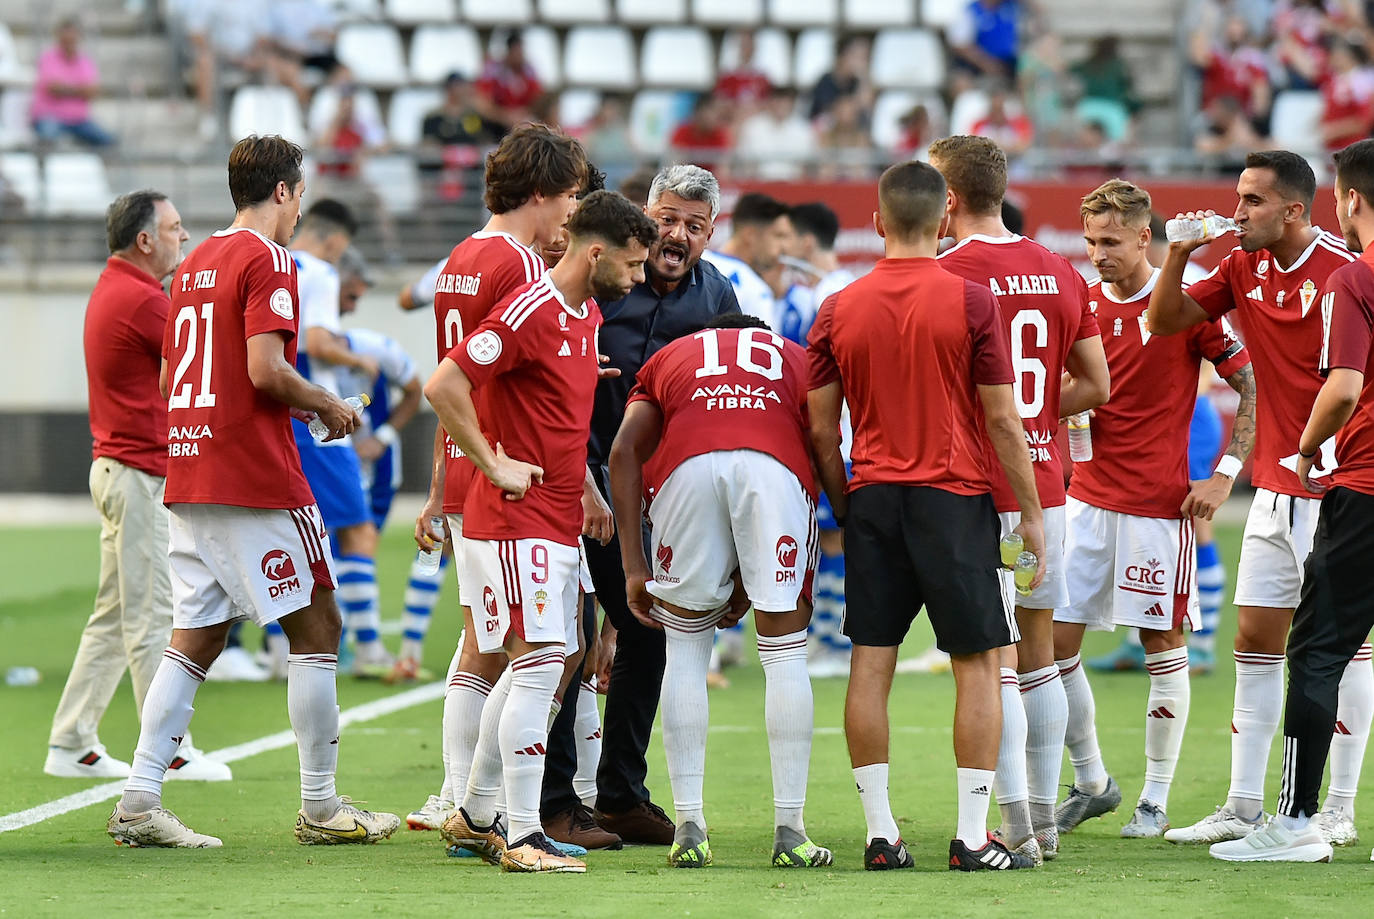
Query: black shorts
908, 546
1336, 611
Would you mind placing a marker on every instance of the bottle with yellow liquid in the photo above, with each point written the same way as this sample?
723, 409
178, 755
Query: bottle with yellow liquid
1024, 572
1011, 547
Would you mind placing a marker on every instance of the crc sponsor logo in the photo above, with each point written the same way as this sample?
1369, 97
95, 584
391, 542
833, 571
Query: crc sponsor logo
1147, 578
489, 607
786, 551
278, 568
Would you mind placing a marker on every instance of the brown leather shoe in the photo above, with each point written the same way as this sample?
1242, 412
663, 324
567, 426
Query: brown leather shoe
578, 827
645, 823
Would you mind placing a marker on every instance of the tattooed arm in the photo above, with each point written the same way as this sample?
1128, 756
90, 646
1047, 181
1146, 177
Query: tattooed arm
1205, 497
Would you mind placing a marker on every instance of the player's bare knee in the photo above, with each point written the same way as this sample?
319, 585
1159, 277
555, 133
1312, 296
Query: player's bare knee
772, 625
202, 645
1155, 641
1260, 630
1068, 640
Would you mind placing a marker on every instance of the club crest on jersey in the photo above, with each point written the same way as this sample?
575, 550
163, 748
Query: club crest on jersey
280, 302
1092, 307
1278, 299
1144, 330
1262, 268
786, 551
1116, 327
563, 321
1308, 294
484, 348
541, 603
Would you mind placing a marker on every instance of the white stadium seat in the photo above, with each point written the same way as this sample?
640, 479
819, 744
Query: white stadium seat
727, 12
908, 59
941, 14
772, 54
541, 50
15, 130
357, 10
815, 55
1295, 120
405, 116
577, 107
372, 51
796, 14
20, 170
266, 110
969, 108
498, 12
676, 56
878, 14
395, 178
414, 12
650, 12
574, 12
75, 185
326, 102
654, 114
437, 51
599, 56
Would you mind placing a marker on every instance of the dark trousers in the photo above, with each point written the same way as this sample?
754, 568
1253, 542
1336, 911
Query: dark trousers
560, 763
1333, 617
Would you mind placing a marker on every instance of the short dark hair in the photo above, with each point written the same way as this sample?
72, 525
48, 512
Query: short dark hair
1293, 175
737, 321
328, 216
128, 215
758, 210
975, 169
612, 218
257, 164
1355, 168
911, 200
818, 220
532, 159
596, 180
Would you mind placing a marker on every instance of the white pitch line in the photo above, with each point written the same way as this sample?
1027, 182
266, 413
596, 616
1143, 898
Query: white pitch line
368, 711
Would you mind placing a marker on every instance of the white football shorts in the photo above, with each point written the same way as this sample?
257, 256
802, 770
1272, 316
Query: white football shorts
1273, 551
584, 574
1053, 592
231, 562
525, 587
733, 509
455, 535
1138, 572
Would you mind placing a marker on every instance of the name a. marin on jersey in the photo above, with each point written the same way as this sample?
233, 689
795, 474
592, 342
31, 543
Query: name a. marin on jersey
181, 439
467, 284
1017, 284
735, 395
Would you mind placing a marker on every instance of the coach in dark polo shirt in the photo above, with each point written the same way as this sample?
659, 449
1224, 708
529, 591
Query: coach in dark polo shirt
681, 293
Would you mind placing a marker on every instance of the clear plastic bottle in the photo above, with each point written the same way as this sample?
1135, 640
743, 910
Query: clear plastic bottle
1187, 229
1080, 438
319, 430
427, 562
1011, 546
1024, 572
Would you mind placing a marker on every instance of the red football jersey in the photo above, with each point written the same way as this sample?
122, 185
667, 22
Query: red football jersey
482, 270
1283, 330
1044, 303
1140, 437
533, 364
910, 343
728, 389
1347, 310
227, 442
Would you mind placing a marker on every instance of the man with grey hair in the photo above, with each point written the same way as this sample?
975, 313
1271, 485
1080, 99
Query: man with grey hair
680, 294
132, 621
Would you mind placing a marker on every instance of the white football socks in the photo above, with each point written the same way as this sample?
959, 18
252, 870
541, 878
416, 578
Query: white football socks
446, 792
789, 714
1047, 719
167, 711
975, 787
464, 700
588, 733
484, 779
1010, 782
1348, 742
1080, 734
313, 703
871, 780
1166, 718
1254, 720
684, 711
524, 731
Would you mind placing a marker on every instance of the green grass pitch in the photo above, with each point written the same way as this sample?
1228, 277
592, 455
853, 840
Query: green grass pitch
67, 866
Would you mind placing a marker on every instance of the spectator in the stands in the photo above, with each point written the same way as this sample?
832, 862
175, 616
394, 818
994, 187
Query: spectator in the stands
986, 39
228, 40
454, 137
1046, 88
703, 139
776, 143
635, 186
606, 137
848, 78
845, 144
509, 88
1226, 134
66, 82
1004, 123
1302, 31
302, 36
1107, 93
744, 87
917, 132
1232, 64
1348, 96
348, 138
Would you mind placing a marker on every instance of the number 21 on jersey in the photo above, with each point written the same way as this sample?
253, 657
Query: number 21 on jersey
188, 334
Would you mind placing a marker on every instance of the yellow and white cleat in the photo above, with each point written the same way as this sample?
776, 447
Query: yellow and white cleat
350, 824
157, 828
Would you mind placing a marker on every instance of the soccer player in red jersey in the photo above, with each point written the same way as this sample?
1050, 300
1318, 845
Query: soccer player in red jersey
246, 536
921, 356
1274, 280
1130, 508
1334, 615
1054, 338
528, 372
723, 415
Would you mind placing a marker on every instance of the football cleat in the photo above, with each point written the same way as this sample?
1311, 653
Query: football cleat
1337, 827
1221, 825
881, 855
1274, 842
489, 842
1148, 822
691, 848
192, 765
350, 824
407, 670
536, 853
158, 828
1125, 656
992, 857
931, 660
1049, 842
1081, 805
793, 850
84, 763
431, 815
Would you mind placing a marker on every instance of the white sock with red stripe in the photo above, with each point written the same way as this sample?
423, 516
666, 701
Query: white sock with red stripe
524, 731
1010, 781
789, 713
1047, 719
446, 792
464, 700
312, 701
685, 712
1353, 713
588, 728
166, 715
1254, 720
1080, 732
1166, 718
484, 780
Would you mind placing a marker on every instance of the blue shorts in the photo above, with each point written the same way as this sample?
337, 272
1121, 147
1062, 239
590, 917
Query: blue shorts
1204, 439
383, 491
335, 477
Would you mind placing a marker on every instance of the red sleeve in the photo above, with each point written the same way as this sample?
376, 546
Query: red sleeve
1348, 318
1213, 293
270, 303
1087, 320
494, 347
149, 323
823, 369
1218, 343
991, 349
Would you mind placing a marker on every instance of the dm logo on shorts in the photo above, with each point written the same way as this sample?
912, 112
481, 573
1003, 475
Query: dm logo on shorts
278, 568
489, 604
665, 557
786, 550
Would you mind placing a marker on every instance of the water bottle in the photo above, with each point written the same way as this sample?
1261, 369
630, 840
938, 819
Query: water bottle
1188, 229
22, 676
427, 561
1012, 545
319, 430
1024, 572
1080, 438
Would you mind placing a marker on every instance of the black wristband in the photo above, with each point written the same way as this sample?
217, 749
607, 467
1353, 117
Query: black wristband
1307, 455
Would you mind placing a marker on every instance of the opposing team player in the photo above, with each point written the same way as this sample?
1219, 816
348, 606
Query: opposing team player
722, 413
1044, 304
1130, 508
532, 367
759, 227
246, 536
1275, 279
